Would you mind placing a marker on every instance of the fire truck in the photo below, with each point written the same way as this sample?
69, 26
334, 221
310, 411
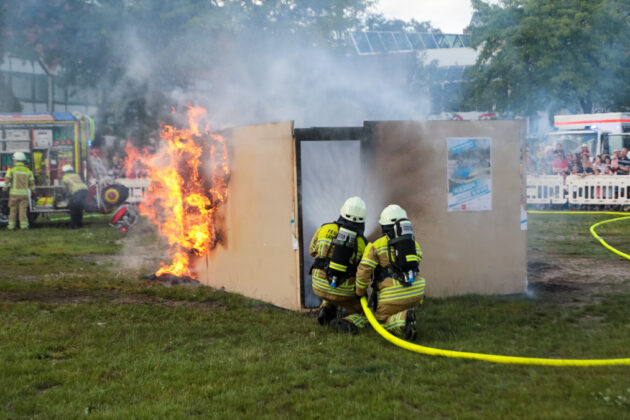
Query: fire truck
49, 142
602, 133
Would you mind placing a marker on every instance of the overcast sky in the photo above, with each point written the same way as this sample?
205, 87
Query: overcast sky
451, 16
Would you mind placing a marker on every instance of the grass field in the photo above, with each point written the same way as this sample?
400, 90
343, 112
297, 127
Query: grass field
83, 335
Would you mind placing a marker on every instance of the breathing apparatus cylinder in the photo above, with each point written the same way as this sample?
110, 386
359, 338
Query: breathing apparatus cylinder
405, 257
345, 244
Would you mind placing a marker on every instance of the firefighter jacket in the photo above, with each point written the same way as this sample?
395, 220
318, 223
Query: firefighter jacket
380, 254
322, 248
73, 182
18, 180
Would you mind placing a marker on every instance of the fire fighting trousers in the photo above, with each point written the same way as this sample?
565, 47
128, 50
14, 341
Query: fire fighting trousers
394, 302
76, 205
18, 204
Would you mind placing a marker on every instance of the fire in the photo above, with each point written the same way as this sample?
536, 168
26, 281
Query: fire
189, 177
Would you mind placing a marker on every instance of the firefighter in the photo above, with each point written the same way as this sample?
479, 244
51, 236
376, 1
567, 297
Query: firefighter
18, 180
337, 248
77, 190
392, 262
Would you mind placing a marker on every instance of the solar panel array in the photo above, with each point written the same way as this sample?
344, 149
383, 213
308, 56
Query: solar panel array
377, 42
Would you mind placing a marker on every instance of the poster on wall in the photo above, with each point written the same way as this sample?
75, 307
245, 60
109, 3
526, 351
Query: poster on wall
469, 174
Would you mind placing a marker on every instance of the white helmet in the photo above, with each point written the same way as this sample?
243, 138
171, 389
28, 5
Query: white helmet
391, 214
67, 168
19, 156
354, 210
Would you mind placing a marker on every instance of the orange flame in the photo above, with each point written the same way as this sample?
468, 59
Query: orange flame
134, 166
181, 201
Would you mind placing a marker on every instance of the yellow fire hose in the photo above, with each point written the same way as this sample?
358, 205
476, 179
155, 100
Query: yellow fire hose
504, 359
592, 228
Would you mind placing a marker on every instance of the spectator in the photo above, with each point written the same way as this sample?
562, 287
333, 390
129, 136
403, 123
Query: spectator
559, 149
584, 150
577, 164
599, 164
608, 170
624, 162
560, 166
614, 161
587, 165
118, 166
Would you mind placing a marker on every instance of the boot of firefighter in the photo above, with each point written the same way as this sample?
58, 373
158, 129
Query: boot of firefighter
359, 320
327, 312
410, 325
350, 324
344, 325
396, 324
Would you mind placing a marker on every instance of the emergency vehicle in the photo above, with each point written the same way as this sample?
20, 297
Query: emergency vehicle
49, 142
602, 133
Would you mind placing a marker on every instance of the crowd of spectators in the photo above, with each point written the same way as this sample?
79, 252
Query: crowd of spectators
550, 161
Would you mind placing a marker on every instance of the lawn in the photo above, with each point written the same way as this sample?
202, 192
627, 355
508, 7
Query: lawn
84, 335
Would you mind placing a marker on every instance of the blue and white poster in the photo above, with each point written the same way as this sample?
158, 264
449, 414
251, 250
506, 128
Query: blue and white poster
469, 174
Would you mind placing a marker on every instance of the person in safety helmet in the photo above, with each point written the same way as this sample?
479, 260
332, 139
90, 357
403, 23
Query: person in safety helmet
337, 248
77, 190
18, 180
393, 258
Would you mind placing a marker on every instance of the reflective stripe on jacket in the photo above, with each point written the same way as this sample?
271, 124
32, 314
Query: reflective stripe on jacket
19, 179
377, 254
73, 182
321, 247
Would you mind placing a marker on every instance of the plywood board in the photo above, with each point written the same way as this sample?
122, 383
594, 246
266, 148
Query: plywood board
464, 252
258, 257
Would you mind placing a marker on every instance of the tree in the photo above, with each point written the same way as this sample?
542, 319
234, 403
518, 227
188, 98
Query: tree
378, 22
546, 55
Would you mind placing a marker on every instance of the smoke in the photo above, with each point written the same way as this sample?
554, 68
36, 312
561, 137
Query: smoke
261, 75
316, 88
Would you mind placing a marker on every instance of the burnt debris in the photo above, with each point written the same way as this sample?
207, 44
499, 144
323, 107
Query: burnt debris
172, 280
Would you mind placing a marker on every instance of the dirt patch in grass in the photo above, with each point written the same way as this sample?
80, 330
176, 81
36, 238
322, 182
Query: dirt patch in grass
70, 297
578, 271
573, 278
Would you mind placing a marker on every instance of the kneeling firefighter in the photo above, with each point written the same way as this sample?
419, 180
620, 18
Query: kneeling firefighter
78, 193
392, 260
337, 248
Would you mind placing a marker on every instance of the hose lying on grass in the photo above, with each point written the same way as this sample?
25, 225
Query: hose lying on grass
592, 228
497, 358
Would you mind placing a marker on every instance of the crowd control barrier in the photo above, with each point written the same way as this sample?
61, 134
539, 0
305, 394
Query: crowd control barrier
137, 188
541, 189
578, 190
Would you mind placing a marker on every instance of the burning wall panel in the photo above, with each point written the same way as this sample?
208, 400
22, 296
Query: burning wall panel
464, 251
257, 257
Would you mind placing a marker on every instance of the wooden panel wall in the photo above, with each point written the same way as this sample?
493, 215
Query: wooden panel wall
257, 258
464, 252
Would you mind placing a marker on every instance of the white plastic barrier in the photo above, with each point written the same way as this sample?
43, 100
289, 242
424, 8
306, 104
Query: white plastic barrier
576, 189
546, 189
599, 189
137, 188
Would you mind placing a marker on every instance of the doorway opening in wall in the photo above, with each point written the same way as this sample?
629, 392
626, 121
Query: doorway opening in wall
329, 170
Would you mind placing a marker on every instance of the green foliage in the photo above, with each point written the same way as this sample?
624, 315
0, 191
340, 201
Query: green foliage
547, 55
381, 23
